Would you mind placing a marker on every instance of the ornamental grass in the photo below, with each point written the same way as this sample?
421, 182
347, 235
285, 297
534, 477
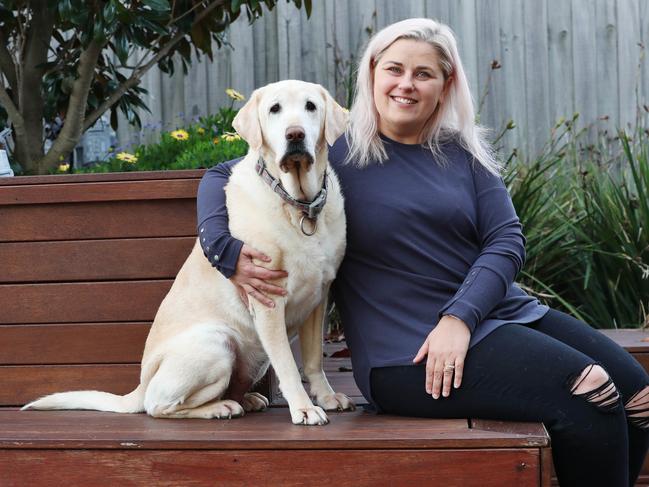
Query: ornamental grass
585, 212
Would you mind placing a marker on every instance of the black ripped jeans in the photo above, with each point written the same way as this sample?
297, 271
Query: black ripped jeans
525, 373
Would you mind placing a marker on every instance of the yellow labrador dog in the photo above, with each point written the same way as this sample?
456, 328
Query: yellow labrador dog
205, 349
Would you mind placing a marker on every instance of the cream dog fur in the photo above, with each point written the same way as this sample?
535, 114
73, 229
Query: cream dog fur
205, 349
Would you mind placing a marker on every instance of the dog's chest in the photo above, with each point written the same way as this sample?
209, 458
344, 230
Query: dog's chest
310, 272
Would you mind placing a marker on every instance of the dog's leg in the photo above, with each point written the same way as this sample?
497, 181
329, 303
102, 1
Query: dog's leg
193, 376
311, 346
271, 329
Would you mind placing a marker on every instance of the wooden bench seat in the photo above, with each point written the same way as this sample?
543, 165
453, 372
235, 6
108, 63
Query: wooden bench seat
359, 448
84, 264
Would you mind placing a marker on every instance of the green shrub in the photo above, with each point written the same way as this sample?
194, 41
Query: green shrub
585, 212
201, 145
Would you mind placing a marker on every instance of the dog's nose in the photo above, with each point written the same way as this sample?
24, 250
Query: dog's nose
294, 134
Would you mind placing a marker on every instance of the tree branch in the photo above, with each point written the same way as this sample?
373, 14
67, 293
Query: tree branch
7, 64
11, 108
74, 115
138, 73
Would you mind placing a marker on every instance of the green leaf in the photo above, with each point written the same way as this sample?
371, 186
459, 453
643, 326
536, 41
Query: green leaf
65, 9
121, 46
110, 12
158, 5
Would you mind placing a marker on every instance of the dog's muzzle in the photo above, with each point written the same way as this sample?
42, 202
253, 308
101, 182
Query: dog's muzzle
296, 157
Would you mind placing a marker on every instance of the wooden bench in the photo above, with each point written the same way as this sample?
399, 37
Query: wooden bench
85, 261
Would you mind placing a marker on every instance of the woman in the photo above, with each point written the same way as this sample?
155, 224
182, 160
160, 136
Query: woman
436, 326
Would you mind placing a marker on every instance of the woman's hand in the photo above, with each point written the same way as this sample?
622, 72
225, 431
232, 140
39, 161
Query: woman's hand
250, 278
446, 347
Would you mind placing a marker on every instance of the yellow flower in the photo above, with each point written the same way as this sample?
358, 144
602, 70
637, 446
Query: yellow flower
235, 95
215, 140
230, 137
64, 167
126, 157
180, 134
346, 110
200, 130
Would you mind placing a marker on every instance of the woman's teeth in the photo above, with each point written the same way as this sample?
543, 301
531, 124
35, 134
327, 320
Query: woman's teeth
407, 101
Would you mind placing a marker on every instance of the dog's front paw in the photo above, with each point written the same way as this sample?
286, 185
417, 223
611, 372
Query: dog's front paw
312, 415
336, 402
253, 401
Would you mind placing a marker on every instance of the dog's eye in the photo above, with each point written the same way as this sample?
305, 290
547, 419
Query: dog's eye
310, 106
275, 108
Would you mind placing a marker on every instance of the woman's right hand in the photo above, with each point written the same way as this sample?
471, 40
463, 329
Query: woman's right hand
251, 279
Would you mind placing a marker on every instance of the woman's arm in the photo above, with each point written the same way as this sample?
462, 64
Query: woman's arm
220, 248
501, 258
228, 255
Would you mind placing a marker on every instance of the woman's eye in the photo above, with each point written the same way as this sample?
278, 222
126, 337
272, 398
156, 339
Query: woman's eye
275, 108
310, 106
423, 75
394, 69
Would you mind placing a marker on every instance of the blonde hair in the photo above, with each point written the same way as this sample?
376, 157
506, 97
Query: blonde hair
454, 119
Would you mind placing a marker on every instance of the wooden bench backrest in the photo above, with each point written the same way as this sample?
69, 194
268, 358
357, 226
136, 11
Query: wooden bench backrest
85, 261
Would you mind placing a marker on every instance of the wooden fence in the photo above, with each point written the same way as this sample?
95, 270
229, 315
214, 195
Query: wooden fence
557, 57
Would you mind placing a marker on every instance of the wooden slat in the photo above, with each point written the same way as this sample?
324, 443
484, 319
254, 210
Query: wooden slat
81, 302
535, 431
480, 468
83, 343
97, 220
547, 467
90, 260
22, 384
103, 177
77, 192
270, 430
634, 341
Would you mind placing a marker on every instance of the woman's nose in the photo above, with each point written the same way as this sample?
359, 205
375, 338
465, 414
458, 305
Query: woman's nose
406, 82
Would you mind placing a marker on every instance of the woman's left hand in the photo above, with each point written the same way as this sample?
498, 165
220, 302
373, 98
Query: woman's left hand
446, 347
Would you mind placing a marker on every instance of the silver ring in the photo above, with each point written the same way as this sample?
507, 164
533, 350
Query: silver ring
314, 223
449, 367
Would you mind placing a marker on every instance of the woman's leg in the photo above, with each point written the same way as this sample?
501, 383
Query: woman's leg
628, 375
517, 373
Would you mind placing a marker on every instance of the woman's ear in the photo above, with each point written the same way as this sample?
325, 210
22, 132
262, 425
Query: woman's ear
247, 124
336, 118
448, 84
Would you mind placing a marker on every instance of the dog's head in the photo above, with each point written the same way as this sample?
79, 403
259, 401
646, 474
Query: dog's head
290, 124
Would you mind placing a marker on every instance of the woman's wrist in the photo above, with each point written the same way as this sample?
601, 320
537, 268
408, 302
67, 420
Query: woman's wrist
455, 318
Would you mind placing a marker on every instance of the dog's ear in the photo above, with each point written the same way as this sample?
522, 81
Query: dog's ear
247, 124
336, 118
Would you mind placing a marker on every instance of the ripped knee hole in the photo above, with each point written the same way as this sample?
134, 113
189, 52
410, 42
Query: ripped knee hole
596, 386
637, 408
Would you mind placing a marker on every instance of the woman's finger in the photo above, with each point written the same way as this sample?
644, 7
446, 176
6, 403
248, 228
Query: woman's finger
438, 376
459, 372
430, 370
449, 367
253, 253
267, 288
266, 274
423, 350
259, 296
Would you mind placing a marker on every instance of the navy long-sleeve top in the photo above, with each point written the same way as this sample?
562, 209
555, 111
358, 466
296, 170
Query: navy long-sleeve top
425, 238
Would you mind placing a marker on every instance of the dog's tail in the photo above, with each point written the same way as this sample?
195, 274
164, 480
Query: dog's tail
132, 402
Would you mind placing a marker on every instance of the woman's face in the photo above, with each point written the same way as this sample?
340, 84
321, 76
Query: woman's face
408, 85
